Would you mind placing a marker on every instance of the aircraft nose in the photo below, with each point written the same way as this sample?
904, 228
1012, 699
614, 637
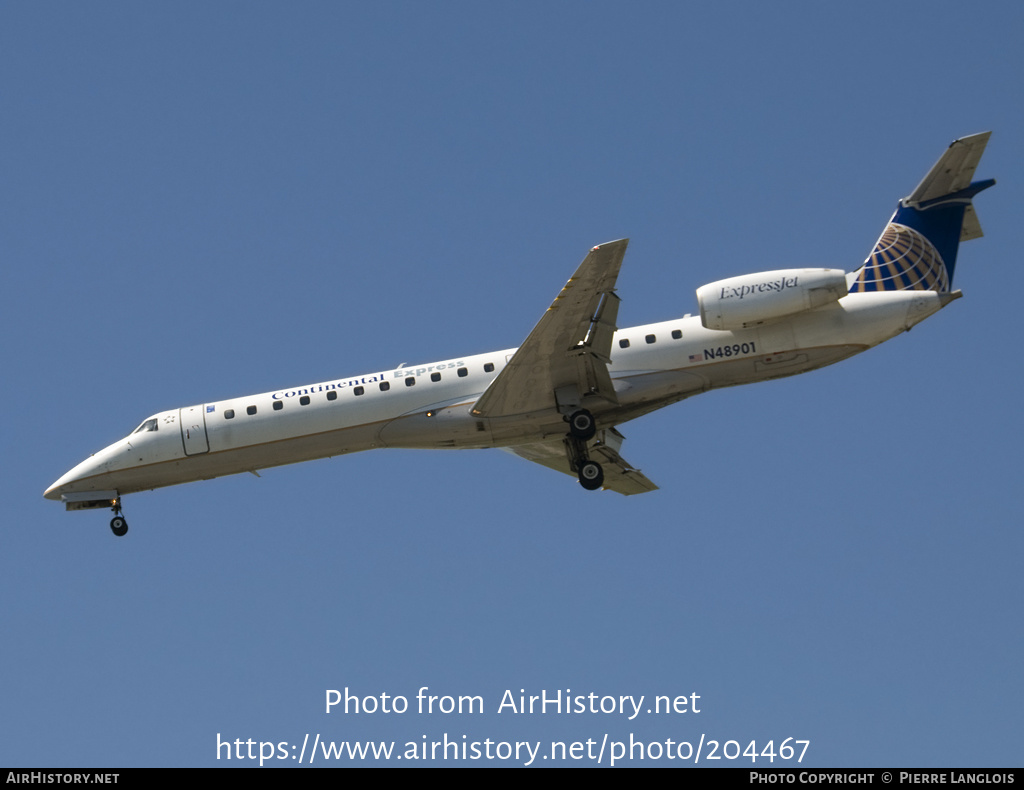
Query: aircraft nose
81, 478
62, 485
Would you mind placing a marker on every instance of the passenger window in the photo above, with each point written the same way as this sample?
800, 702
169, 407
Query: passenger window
304, 400
332, 395
229, 414
410, 381
278, 405
489, 367
677, 334
385, 386
624, 343
435, 376
250, 409
463, 372
650, 339
359, 390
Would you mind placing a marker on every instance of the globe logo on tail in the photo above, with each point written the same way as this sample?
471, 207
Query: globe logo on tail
902, 260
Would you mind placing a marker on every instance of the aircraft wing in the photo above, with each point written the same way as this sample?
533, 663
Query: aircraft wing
566, 356
618, 474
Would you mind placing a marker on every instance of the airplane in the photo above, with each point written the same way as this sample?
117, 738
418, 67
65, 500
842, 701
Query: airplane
559, 398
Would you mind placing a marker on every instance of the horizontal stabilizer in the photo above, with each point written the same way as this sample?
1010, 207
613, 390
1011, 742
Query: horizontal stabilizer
952, 172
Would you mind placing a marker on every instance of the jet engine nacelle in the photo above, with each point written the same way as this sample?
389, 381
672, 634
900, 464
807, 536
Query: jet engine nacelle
741, 302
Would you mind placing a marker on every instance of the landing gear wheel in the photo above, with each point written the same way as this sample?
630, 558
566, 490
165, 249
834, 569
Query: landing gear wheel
591, 475
581, 425
119, 526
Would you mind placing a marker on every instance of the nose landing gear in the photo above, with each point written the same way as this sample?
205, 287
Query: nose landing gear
118, 525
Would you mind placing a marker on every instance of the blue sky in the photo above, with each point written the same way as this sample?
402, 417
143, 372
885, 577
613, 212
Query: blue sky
204, 201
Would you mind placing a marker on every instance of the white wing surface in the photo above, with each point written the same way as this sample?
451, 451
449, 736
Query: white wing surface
565, 358
618, 474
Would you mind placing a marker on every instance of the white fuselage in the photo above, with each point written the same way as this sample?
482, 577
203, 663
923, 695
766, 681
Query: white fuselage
428, 406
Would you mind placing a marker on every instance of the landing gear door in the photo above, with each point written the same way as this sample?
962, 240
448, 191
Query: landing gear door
193, 430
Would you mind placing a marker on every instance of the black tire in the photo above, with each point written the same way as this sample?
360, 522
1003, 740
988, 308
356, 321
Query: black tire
591, 475
582, 425
119, 526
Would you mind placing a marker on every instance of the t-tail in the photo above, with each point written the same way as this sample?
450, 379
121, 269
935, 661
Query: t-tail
917, 249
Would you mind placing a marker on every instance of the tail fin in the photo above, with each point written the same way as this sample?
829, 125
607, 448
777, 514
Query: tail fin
917, 249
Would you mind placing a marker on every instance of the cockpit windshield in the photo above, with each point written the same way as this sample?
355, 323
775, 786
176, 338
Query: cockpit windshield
149, 425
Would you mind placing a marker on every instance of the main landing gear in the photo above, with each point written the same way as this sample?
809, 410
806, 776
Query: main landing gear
582, 428
118, 525
591, 475
582, 425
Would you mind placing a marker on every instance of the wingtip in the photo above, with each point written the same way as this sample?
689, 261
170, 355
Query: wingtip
970, 138
596, 247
